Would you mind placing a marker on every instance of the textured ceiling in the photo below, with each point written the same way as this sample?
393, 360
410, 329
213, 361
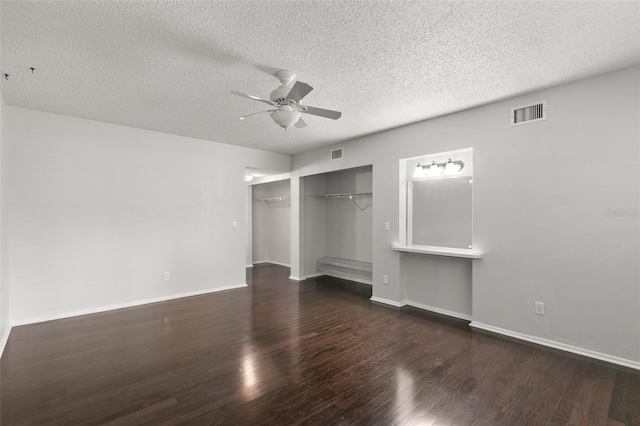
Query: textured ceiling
169, 66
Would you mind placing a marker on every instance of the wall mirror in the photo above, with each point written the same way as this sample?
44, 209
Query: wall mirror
437, 200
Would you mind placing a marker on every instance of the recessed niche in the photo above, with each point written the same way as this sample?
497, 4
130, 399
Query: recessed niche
436, 197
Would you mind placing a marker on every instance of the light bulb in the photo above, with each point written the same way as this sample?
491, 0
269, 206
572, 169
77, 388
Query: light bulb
248, 178
450, 167
433, 168
418, 172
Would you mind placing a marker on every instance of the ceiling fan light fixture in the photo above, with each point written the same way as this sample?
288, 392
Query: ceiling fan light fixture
286, 99
285, 116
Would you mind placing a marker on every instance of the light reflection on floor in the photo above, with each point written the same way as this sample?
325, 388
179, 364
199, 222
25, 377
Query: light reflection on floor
405, 405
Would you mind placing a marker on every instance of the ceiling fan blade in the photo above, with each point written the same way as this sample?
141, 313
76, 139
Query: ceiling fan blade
300, 123
299, 91
326, 113
255, 98
255, 113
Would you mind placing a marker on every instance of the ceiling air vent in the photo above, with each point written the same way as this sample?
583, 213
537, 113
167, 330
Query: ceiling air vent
336, 154
529, 114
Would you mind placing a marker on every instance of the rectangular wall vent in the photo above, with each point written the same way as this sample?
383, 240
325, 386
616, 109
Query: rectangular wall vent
529, 114
336, 154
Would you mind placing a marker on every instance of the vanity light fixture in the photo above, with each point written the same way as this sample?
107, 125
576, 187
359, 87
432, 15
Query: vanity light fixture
434, 169
452, 167
449, 168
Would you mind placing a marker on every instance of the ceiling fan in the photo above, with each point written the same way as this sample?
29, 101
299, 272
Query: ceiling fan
286, 102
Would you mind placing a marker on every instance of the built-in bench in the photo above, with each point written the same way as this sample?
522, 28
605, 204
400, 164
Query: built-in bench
348, 269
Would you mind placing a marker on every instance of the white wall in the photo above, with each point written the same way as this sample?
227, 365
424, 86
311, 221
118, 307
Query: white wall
441, 284
272, 226
97, 212
540, 195
249, 222
4, 270
313, 224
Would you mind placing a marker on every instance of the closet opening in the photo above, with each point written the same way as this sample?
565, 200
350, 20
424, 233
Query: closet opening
269, 222
337, 223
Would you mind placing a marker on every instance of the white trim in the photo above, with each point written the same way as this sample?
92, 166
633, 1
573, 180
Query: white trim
558, 345
279, 263
269, 179
402, 206
438, 310
439, 251
388, 301
248, 266
305, 277
5, 338
124, 305
271, 261
409, 213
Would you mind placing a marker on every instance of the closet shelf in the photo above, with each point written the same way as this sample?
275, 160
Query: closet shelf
354, 270
349, 195
264, 201
354, 196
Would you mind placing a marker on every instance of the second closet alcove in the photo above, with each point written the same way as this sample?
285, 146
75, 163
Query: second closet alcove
271, 223
337, 224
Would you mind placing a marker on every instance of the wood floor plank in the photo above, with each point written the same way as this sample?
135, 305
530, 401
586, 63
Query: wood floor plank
284, 352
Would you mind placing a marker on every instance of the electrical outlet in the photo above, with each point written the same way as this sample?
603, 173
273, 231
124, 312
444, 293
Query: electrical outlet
539, 308
386, 226
385, 279
165, 276
234, 224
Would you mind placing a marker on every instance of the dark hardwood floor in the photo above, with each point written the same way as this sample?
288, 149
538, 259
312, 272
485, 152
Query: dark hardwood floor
282, 352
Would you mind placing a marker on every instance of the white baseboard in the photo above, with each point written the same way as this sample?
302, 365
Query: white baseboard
557, 345
314, 275
278, 263
5, 338
421, 306
271, 261
305, 277
438, 310
388, 301
123, 305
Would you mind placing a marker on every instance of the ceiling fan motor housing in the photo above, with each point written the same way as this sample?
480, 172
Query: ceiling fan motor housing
286, 116
279, 96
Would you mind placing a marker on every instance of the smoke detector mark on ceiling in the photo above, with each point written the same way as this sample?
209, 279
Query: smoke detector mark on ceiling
529, 114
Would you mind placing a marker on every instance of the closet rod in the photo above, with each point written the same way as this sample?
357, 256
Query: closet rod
264, 201
354, 196
349, 195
